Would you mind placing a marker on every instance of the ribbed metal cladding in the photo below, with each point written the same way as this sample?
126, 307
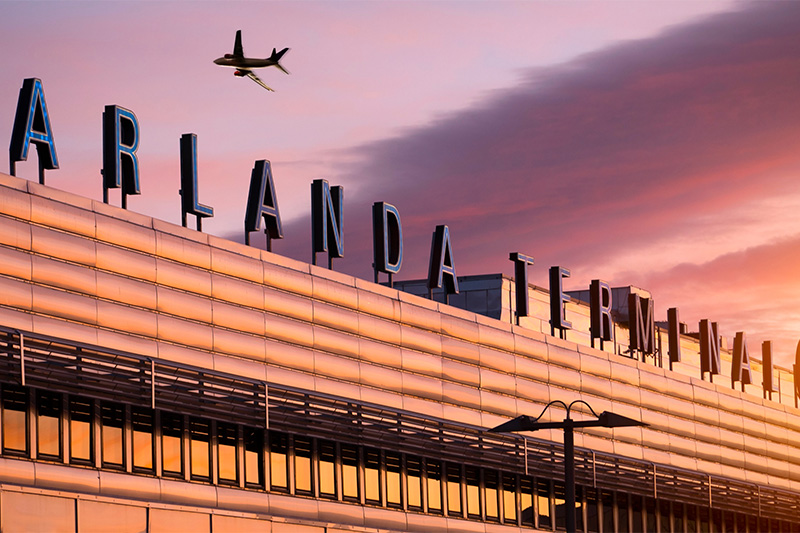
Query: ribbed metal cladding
87, 370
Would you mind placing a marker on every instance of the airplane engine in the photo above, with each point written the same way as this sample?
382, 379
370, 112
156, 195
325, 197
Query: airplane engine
239, 73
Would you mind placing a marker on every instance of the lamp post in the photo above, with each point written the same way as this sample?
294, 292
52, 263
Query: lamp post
605, 419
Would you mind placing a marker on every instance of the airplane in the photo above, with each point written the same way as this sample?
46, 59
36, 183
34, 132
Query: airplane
244, 65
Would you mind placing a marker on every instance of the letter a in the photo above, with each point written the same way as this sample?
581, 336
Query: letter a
32, 125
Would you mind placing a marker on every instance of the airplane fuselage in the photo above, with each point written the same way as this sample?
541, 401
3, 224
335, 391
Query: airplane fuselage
244, 62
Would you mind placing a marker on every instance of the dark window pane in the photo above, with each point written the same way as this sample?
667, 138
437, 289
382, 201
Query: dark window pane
560, 501
716, 520
650, 514
15, 420
278, 460
372, 475
665, 516
200, 449
302, 465
433, 470
691, 518
227, 463
171, 448
607, 500
637, 513
543, 503
579, 507
349, 472
414, 482
253, 453
678, 513
509, 498
393, 480
48, 423
112, 418
142, 425
327, 468
491, 489
622, 513
526, 501
592, 511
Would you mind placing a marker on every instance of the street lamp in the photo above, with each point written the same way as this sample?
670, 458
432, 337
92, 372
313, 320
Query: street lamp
605, 419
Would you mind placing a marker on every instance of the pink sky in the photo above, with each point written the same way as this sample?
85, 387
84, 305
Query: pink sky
643, 143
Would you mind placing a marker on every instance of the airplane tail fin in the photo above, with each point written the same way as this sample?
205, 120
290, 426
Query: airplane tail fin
276, 57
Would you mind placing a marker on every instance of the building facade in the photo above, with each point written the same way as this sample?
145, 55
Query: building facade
156, 378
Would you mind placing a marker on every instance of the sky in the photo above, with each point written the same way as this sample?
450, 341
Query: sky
643, 143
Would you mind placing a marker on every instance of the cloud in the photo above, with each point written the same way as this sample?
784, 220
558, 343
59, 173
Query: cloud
621, 164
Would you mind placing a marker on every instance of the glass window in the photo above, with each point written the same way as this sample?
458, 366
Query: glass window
278, 460
200, 448
637, 512
454, 490
716, 520
253, 451
372, 475
509, 498
691, 518
227, 460
48, 423
349, 472
171, 448
678, 517
579, 507
560, 502
592, 511
623, 521
112, 418
473, 482
15, 420
650, 514
394, 488
491, 490
414, 481
302, 465
526, 501
752, 523
543, 503
730, 521
607, 501
142, 426
664, 516
433, 472
327, 468
80, 430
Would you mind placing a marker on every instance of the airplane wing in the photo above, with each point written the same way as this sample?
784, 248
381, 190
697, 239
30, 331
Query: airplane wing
256, 79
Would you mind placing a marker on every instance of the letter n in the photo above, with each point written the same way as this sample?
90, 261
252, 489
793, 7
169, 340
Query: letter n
709, 349
327, 220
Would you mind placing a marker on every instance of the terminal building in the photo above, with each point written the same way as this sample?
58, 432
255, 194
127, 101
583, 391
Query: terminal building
156, 378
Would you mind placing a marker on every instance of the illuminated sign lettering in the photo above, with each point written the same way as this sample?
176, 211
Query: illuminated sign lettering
32, 125
387, 240
120, 142
641, 321
558, 300
262, 202
709, 349
740, 368
189, 202
327, 220
674, 321
521, 263
442, 271
602, 325
767, 372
